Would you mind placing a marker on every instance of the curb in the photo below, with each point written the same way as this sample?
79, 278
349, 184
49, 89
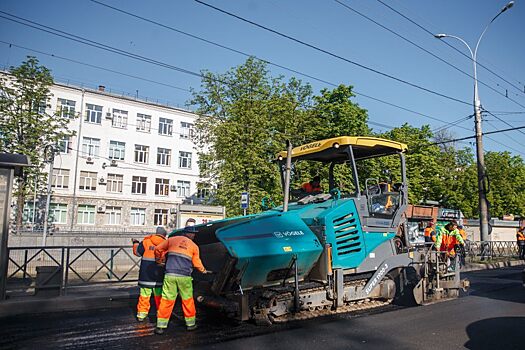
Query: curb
491, 266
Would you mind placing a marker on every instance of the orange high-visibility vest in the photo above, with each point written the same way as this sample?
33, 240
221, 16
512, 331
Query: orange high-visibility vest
520, 236
309, 188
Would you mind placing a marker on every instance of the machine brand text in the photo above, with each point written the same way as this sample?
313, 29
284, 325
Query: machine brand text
282, 234
310, 146
376, 279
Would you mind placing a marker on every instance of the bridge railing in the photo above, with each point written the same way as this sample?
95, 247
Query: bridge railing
34, 270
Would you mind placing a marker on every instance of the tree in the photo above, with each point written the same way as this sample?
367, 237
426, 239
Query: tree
245, 116
26, 128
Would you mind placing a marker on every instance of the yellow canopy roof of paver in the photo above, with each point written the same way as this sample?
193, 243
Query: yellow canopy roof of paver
362, 146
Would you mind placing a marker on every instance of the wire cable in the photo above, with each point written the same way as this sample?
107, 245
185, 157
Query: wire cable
316, 48
448, 44
425, 50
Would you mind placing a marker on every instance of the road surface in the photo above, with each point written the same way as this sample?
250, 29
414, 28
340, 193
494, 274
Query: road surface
491, 316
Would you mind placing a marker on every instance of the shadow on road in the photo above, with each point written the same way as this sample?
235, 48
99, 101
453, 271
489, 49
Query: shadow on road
496, 333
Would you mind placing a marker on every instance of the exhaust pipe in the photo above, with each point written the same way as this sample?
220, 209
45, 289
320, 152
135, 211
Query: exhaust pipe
287, 175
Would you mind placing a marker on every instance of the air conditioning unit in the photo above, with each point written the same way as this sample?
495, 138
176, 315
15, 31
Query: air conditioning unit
101, 181
173, 210
109, 115
89, 160
101, 209
113, 162
173, 188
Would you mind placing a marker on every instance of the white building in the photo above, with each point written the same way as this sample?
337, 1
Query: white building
128, 165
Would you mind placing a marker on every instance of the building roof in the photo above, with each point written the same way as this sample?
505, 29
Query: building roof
334, 149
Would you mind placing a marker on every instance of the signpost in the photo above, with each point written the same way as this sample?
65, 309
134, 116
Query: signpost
245, 201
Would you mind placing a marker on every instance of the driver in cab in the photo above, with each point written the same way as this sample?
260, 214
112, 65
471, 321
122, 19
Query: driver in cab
313, 186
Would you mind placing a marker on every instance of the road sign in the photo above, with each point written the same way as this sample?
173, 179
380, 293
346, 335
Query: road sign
245, 200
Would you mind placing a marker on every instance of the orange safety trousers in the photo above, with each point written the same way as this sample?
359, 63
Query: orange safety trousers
174, 285
143, 305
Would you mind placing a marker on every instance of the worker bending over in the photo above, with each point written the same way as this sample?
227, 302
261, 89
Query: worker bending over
180, 255
447, 238
151, 275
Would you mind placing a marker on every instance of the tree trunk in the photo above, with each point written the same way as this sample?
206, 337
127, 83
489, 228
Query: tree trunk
20, 202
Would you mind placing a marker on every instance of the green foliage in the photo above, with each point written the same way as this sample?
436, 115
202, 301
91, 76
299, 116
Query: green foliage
25, 128
244, 119
246, 116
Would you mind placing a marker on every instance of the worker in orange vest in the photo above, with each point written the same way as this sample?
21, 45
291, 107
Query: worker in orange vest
430, 232
180, 255
313, 186
151, 275
446, 240
520, 237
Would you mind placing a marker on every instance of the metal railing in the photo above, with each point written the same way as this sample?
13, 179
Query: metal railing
35, 269
492, 250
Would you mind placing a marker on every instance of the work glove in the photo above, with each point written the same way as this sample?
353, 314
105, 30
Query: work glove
207, 272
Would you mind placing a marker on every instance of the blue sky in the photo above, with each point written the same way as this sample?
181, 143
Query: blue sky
325, 24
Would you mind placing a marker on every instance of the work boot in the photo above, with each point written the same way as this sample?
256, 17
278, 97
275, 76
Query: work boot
159, 331
191, 328
141, 319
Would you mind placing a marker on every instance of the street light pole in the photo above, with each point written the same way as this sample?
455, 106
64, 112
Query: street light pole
482, 188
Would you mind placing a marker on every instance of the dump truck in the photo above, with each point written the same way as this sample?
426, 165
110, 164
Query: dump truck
322, 253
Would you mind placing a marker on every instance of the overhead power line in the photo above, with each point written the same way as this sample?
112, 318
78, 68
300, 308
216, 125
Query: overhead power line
111, 49
449, 45
162, 25
94, 66
425, 50
484, 134
316, 48
503, 121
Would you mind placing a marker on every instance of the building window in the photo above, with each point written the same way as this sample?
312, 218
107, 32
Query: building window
93, 113
183, 188
162, 187
163, 156
185, 160
186, 130
57, 213
90, 146
161, 217
115, 182
143, 122
113, 215
117, 150
165, 126
138, 217
60, 178
29, 211
86, 214
204, 192
138, 185
65, 145
141, 154
120, 119
66, 108
88, 181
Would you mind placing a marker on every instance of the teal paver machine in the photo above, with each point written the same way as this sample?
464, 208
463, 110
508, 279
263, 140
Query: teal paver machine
339, 250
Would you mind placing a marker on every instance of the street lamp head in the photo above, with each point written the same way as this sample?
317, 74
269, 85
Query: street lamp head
508, 6
440, 36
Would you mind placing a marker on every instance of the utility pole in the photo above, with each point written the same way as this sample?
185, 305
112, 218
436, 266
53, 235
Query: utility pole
482, 176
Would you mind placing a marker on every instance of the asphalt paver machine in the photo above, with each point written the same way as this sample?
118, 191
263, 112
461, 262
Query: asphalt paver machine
323, 253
